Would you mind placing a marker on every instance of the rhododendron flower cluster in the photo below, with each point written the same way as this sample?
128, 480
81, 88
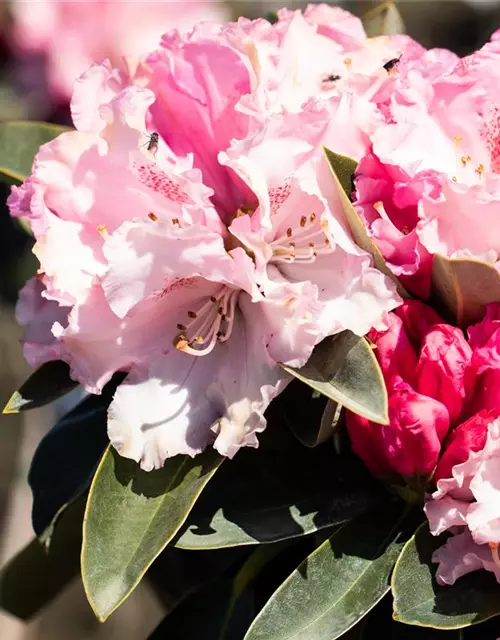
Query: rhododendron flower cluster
200, 262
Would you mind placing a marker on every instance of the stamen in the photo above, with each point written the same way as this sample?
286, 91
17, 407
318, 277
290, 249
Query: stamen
153, 217
289, 232
212, 322
479, 170
176, 221
347, 62
312, 218
303, 221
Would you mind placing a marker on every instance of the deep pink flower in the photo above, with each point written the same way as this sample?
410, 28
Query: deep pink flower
417, 355
409, 445
443, 370
467, 437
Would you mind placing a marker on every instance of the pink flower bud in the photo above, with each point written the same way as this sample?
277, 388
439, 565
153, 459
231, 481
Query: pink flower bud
444, 371
468, 436
410, 443
394, 351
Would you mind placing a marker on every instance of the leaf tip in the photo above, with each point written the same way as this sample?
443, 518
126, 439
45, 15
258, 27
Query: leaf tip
14, 405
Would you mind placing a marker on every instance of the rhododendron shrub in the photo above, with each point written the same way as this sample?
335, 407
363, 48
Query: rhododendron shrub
267, 253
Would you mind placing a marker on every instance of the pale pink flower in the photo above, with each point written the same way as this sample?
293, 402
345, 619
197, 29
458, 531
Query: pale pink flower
74, 34
177, 262
469, 504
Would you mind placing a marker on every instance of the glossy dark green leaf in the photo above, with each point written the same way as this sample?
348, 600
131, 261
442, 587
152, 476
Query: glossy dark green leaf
383, 20
337, 584
33, 578
66, 459
463, 286
266, 496
131, 516
344, 368
46, 384
19, 143
419, 600
343, 169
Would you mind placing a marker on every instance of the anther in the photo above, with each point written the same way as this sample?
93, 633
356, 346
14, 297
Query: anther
303, 221
220, 311
181, 342
312, 218
291, 244
479, 169
176, 221
153, 217
181, 327
455, 179
311, 244
289, 232
213, 299
103, 231
192, 314
347, 62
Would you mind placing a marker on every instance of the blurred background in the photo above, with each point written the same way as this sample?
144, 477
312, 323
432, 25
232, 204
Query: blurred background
44, 46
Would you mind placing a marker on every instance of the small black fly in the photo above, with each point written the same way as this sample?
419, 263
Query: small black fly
333, 77
152, 143
391, 65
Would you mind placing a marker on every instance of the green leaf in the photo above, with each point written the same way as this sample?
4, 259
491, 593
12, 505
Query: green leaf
33, 578
344, 368
463, 286
419, 600
343, 169
310, 416
66, 459
384, 20
293, 493
337, 584
19, 143
131, 516
49, 382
